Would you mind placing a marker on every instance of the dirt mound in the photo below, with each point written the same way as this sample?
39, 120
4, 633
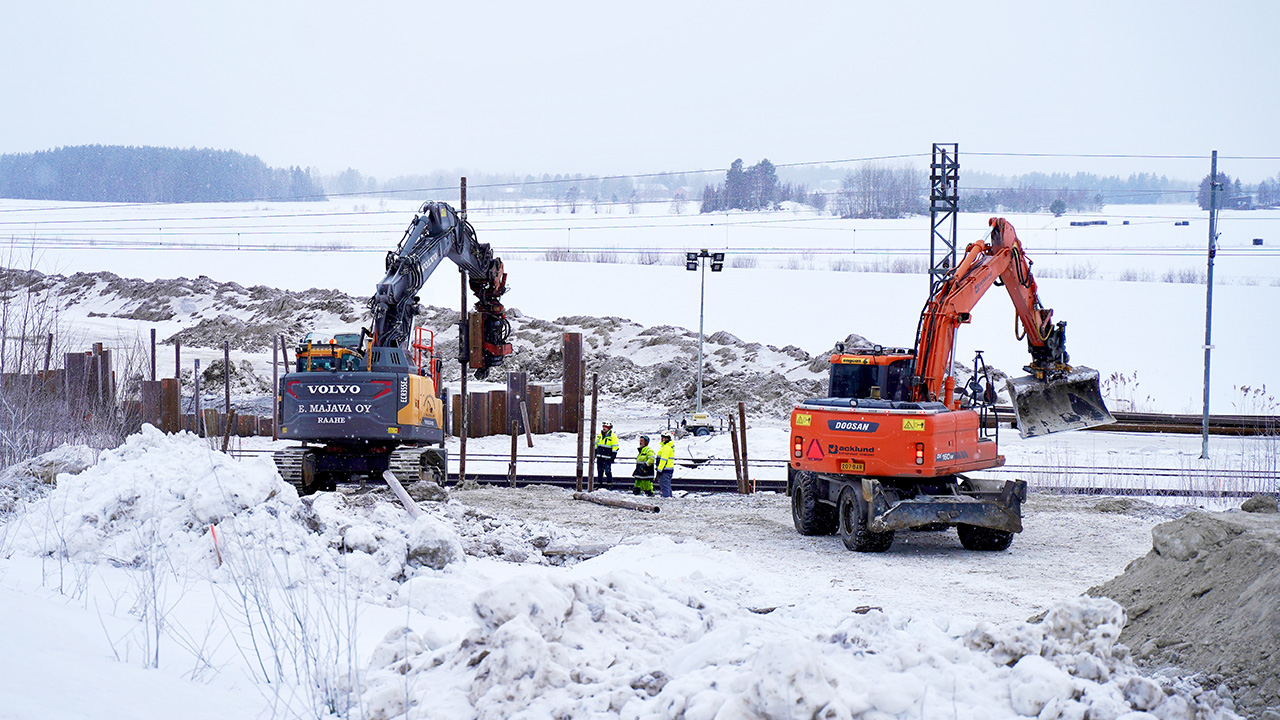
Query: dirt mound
1207, 599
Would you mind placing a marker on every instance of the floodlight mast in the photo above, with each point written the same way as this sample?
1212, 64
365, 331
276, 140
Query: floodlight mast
697, 261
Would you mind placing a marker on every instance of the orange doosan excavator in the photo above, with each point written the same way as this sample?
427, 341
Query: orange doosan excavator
889, 448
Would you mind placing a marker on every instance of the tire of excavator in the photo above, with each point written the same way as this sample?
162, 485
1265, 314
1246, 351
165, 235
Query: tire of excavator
810, 516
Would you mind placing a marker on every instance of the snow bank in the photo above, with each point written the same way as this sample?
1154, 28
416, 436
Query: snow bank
168, 496
618, 643
30, 480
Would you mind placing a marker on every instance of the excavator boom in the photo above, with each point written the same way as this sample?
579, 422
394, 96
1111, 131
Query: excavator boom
1055, 396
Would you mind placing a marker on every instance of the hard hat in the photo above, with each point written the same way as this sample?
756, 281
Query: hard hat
666, 435
607, 424
645, 438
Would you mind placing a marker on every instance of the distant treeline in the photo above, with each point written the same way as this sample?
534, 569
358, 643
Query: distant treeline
1036, 192
116, 173
570, 189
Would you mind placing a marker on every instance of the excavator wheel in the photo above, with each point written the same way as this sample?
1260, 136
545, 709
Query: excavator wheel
983, 539
853, 514
810, 516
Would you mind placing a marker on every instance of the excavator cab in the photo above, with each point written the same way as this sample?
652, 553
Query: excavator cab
879, 374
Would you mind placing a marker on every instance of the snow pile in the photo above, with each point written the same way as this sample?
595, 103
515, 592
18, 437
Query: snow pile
1204, 599
173, 494
31, 479
597, 641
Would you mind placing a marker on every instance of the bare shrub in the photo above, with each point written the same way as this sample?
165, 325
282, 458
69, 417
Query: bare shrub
39, 411
648, 256
1079, 271
1135, 275
1184, 276
842, 265
558, 254
606, 256
743, 261
908, 266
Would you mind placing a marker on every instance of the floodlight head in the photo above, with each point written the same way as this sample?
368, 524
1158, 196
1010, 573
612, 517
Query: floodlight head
717, 257
716, 266
691, 265
691, 257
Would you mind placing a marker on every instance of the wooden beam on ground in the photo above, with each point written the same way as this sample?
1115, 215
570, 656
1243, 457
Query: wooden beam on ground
614, 502
394, 483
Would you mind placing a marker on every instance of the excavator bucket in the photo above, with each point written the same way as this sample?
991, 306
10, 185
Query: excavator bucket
1070, 402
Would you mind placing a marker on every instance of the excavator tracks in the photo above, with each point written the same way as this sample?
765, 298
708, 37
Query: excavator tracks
407, 463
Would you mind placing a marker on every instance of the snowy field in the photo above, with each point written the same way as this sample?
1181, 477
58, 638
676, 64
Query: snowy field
1119, 287
504, 604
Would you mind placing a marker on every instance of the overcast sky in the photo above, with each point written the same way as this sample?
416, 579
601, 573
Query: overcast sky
393, 88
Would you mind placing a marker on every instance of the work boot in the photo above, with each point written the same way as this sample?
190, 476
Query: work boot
635, 491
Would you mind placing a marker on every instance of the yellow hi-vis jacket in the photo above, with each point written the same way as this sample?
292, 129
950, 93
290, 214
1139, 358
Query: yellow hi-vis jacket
607, 445
666, 456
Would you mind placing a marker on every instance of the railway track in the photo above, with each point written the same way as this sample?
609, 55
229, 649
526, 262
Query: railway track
1137, 481
559, 470
1244, 425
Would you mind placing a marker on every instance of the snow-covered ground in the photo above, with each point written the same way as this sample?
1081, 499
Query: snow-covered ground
1108, 282
171, 579
525, 603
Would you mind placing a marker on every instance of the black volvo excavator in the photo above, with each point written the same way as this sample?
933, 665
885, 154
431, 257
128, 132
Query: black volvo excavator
362, 408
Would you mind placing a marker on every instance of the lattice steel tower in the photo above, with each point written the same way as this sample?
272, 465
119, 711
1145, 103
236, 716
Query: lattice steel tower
944, 204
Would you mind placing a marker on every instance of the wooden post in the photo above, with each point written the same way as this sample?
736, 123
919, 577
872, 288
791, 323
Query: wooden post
511, 469
48, 352
226, 374
153, 354
177, 359
463, 343
528, 427
275, 391
226, 437
578, 413
737, 455
742, 430
196, 404
591, 462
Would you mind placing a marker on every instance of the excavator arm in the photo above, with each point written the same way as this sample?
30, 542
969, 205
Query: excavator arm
435, 234
1056, 396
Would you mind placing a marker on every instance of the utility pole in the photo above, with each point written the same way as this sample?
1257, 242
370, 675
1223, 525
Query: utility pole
1208, 302
696, 261
464, 355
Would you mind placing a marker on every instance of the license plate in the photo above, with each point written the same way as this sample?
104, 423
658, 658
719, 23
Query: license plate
852, 467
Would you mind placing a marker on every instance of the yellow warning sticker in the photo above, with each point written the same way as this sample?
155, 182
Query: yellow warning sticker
852, 467
913, 425
804, 419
